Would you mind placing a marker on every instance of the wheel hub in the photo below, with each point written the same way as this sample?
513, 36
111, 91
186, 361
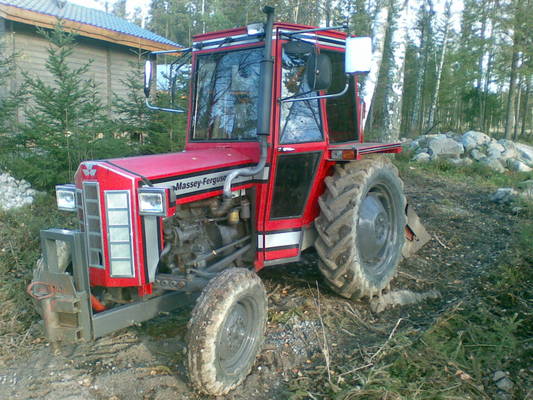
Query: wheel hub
237, 336
373, 228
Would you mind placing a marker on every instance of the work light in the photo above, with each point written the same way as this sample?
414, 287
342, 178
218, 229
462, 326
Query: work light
66, 197
153, 201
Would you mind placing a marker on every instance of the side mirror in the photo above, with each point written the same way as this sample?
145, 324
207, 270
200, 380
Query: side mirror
147, 77
358, 55
319, 72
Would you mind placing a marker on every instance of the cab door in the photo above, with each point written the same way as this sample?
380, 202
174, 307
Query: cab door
297, 164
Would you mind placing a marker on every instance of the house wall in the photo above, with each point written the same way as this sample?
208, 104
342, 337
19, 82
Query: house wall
109, 66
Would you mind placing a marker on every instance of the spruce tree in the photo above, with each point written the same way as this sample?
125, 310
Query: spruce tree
65, 120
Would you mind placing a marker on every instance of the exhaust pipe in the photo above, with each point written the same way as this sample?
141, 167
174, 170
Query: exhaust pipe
264, 106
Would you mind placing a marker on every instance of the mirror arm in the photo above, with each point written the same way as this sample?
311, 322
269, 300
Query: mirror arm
172, 110
324, 96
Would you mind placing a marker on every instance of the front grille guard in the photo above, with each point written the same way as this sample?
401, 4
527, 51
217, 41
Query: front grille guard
64, 298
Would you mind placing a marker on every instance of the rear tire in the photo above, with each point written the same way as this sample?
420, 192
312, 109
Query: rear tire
361, 227
226, 331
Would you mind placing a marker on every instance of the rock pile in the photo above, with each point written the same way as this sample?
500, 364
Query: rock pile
14, 193
499, 155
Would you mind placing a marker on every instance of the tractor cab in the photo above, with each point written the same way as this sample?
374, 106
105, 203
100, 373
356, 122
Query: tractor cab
309, 116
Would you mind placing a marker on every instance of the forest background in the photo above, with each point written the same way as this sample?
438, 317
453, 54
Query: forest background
439, 66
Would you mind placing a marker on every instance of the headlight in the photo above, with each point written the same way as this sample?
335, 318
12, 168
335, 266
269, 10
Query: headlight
66, 197
153, 201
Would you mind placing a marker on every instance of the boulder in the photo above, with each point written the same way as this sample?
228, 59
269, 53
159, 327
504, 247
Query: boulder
421, 157
445, 147
495, 147
478, 137
526, 153
507, 144
503, 195
14, 193
509, 153
493, 163
469, 143
477, 155
518, 166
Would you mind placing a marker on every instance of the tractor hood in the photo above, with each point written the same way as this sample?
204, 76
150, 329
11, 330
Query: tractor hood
189, 173
164, 167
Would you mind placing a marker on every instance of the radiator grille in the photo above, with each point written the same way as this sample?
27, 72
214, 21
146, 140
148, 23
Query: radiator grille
93, 224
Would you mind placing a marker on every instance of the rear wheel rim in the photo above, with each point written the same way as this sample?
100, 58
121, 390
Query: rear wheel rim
377, 230
238, 336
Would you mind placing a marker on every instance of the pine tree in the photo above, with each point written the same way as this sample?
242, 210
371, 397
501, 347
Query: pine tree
65, 120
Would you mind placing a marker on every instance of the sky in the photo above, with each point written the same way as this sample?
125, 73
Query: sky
131, 5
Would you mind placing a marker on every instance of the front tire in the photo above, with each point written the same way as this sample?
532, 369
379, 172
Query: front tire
226, 331
361, 227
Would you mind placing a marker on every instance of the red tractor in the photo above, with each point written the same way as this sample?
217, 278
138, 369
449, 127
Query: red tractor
274, 164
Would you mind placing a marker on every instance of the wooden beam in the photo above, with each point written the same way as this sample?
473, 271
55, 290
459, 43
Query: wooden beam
48, 21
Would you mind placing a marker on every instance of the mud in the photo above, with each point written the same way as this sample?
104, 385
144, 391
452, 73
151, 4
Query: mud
309, 330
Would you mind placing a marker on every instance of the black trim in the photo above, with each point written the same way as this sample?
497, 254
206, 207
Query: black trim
213, 189
203, 172
159, 235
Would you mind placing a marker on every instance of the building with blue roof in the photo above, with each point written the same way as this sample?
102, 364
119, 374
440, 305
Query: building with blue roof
109, 41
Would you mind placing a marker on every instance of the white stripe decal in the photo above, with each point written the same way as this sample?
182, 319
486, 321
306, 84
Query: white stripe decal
279, 239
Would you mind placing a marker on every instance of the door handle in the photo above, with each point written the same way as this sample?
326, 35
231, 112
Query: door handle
286, 149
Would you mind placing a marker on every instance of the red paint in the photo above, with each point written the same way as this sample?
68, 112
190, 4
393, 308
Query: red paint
277, 254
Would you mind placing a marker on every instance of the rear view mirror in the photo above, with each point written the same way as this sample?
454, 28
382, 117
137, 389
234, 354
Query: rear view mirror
319, 72
358, 55
147, 77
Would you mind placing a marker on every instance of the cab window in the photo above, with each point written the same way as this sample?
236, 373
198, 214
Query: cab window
341, 111
299, 120
227, 86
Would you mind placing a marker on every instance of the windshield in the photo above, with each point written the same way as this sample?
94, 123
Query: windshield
227, 86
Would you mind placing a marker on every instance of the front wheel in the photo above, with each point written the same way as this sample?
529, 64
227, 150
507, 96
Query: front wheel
226, 331
361, 227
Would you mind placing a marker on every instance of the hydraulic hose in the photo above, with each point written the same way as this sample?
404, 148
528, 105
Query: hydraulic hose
263, 115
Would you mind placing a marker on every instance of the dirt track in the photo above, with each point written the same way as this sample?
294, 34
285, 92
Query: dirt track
147, 362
